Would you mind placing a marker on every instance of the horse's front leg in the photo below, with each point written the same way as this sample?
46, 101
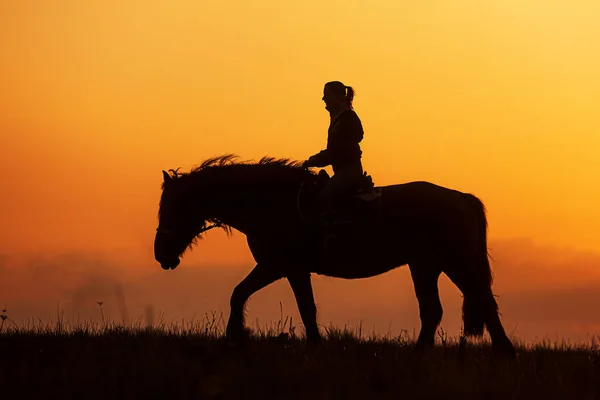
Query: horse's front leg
261, 276
302, 288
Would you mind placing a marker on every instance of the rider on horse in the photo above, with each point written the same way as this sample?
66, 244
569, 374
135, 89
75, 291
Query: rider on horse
343, 151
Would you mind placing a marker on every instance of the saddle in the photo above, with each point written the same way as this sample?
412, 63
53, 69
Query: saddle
358, 203
364, 189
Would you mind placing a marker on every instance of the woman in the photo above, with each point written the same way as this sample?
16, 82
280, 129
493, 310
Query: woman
343, 151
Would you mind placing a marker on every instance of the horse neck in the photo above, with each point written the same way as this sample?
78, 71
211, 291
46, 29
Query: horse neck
245, 198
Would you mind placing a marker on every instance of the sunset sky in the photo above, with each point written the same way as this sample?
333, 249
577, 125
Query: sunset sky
499, 99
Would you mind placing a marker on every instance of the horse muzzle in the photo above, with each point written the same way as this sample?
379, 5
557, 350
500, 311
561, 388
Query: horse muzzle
170, 264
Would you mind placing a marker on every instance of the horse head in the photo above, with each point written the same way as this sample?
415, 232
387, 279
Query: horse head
180, 221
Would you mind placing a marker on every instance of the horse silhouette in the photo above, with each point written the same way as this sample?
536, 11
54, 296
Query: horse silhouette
273, 202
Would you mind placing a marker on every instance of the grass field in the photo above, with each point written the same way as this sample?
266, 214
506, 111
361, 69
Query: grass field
191, 360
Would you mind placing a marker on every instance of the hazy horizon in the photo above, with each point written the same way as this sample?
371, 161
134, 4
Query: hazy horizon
533, 307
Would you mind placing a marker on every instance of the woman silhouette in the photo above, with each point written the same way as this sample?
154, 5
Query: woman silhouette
343, 151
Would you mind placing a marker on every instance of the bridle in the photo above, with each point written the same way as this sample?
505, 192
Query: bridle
164, 231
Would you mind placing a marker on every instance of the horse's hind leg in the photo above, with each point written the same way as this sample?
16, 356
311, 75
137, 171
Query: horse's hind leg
500, 340
425, 280
480, 308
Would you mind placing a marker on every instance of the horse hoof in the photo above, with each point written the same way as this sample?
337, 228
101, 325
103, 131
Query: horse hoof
234, 340
234, 348
507, 351
422, 348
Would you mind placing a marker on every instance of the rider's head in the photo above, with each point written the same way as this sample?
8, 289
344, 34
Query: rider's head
337, 95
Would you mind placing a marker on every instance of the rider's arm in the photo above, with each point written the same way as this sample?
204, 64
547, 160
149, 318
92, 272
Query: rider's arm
319, 160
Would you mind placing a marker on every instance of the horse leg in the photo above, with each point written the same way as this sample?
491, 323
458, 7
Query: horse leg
425, 280
261, 276
302, 288
480, 309
500, 341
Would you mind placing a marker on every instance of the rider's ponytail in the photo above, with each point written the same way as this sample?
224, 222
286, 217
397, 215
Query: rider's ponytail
349, 96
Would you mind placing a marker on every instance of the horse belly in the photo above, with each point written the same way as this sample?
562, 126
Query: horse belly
354, 270
360, 260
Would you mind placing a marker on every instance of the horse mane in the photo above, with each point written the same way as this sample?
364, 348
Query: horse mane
227, 160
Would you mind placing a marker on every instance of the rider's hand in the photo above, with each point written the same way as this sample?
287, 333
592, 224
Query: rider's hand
311, 162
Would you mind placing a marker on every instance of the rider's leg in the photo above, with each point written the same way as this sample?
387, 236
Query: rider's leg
327, 194
339, 185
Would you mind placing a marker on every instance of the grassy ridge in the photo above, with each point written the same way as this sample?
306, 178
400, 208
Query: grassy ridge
192, 361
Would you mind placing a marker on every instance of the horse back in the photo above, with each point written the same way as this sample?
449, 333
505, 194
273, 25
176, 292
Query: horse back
424, 201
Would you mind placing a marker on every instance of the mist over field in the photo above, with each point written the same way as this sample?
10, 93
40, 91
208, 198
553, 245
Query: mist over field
552, 293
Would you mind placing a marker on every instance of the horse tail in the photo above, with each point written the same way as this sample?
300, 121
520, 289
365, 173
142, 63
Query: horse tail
476, 299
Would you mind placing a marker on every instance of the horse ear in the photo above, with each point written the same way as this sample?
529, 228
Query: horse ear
166, 176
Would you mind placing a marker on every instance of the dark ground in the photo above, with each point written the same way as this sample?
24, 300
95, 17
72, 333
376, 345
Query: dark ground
116, 362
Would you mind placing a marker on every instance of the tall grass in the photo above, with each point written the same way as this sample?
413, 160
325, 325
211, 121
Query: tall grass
190, 359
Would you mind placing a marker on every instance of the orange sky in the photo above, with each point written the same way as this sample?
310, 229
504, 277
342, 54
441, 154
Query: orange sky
495, 98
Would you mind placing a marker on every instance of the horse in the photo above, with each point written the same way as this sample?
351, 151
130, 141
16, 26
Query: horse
274, 203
